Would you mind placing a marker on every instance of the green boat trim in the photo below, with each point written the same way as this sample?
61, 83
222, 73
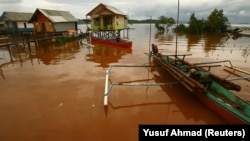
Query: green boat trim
229, 101
215, 91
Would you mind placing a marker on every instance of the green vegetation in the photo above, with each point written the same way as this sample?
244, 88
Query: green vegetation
195, 25
133, 21
164, 23
83, 21
215, 23
66, 39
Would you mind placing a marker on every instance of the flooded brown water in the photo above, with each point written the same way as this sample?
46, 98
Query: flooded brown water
55, 93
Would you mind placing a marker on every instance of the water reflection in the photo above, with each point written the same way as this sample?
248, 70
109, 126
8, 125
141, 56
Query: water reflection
1, 71
105, 55
47, 54
56, 53
175, 101
164, 37
210, 46
245, 53
192, 40
180, 98
213, 41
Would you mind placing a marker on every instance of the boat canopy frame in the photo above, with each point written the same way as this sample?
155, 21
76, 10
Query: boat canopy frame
208, 65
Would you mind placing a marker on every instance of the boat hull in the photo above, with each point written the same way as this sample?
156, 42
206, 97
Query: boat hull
125, 44
231, 115
219, 110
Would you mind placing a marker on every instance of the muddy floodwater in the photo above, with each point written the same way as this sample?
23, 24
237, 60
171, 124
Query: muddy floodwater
56, 92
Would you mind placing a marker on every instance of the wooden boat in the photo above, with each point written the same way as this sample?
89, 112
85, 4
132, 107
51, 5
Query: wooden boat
110, 42
212, 90
237, 33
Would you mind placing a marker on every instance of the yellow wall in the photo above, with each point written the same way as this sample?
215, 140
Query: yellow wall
117, 22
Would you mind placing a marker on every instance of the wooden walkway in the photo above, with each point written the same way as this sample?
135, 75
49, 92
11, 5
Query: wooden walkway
26, 38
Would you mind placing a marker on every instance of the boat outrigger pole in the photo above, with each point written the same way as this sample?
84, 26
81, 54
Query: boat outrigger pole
109, 86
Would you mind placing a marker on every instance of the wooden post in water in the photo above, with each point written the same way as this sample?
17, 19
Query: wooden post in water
149, 41
8, 47
177, 22
149, 35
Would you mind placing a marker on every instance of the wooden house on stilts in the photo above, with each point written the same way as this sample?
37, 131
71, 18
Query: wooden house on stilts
109, 26
53, 21
15, 22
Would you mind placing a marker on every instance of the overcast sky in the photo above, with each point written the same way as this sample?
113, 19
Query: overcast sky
237, 11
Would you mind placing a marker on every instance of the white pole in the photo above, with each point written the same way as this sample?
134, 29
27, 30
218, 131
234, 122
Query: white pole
105, 100
106, 89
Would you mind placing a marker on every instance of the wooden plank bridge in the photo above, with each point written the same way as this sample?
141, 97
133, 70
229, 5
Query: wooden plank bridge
30, 38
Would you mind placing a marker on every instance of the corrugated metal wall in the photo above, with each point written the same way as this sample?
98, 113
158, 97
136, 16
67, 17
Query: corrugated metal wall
64, 26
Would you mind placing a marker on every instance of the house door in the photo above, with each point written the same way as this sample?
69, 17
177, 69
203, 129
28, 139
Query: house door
43, 29
107, 22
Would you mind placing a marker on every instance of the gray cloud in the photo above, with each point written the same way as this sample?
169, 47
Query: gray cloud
10, 1
237, 11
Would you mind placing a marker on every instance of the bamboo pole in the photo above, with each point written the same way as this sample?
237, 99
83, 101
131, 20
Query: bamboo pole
214, 62
143, 84
239, 78
232, 72
238, 69
189, 80
182, 82
223, 82
134, 66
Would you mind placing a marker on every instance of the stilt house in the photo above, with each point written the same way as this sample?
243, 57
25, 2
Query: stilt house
16, 22
105, 17
107, 21
53, 21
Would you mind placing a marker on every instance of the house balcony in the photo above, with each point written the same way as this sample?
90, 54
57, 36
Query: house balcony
107, 27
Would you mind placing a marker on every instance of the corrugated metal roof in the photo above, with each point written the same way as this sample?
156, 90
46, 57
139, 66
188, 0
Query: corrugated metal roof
58, 16
57, 19
108, 7
16, 16
114, 10
54, 15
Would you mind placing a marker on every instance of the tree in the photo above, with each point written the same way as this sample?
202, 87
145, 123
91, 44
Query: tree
170, 22
181, 28
217, 22
196, 26
164, 23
